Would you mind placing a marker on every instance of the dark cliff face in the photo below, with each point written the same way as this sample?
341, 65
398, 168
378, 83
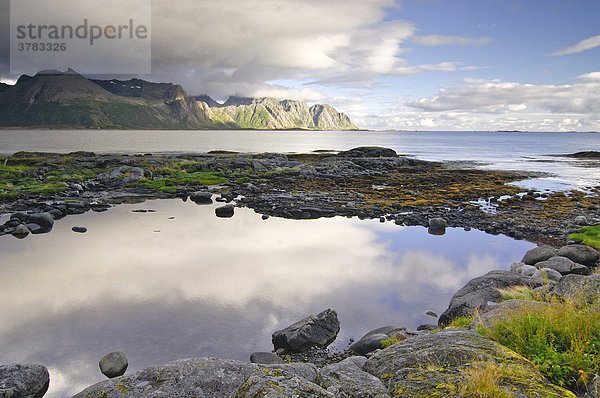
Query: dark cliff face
69, 100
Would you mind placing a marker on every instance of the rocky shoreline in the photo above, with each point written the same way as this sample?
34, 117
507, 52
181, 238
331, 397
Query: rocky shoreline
368, 182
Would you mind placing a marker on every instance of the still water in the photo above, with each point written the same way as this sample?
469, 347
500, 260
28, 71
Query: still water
496, 150
179, 282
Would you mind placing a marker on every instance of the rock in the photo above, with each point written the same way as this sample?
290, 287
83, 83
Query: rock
540, 253
265, 216
578, 288
265, 357
557, 263
549, 273
320, 330
27, 381
34, 228
503, 311
431, 313
580, 269
434, 365
526, 270
224, 211
279, 383
44, 220
581, 254
437, 223
476, 294
514, 267
347, 379
581, 220
80, 230
369, 152
201, 197
202, 377
372, 340
113, 364
21, 231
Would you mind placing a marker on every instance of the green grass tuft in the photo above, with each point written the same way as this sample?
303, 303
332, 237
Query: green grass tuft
588, 236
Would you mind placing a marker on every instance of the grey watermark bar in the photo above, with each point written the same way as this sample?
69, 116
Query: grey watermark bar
91, 37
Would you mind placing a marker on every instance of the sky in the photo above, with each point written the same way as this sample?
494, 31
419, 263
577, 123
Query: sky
529, 65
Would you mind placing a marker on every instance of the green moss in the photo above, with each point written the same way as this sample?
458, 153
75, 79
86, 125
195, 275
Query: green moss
588, 236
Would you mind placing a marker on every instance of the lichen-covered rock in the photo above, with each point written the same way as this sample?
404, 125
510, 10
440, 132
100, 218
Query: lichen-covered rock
372, 340
23, 381
503, 310
581, 254
557, 263
314, 330
195, 377
437, 365
540, 253
578, 288
265, 357
347, 379
476, 294
279, 383
547, 273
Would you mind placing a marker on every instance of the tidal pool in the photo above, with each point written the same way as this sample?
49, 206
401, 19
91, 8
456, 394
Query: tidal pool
179, 282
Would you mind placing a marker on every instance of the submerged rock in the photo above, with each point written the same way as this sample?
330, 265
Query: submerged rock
27, 381
315, 330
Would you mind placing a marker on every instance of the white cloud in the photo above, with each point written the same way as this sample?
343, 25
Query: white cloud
438, 40
583, 45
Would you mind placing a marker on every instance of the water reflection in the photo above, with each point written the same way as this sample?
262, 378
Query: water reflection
180, 282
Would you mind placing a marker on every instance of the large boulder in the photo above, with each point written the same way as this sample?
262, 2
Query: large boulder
540, 253
476, 294
44, 220
578, 288
195, 377
347, 379
26, 381
201, 197
372, 340
438, 364
113, 364
314, 330
504, 310
581, 254
557, 263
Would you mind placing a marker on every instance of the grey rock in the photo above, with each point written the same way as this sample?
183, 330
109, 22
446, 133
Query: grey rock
224, 211
581, 254
578, 288
431, 313
476, 294
21, 231
368, 152
278, 383
44, 220
504, 310
80, 230
315, 330
34, 228
198, 377
526, 270
434, 364
437, 223
201, 197
581, 220
26, 381
540, 253
113, 364
543, 273
580, 269
265, 357
557, 263
372, 340
514, 267
347, 379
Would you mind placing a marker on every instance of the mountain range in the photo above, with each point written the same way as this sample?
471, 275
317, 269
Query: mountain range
53, 99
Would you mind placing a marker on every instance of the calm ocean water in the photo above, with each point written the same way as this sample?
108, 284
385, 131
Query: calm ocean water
498, 150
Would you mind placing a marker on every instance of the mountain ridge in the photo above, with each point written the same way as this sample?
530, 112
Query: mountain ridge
53, 99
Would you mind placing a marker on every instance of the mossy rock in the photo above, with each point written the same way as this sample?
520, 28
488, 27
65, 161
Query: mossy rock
440, 365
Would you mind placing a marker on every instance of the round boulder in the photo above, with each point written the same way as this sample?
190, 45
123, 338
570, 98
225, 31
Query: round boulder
581, 254
557, 263
224, 211
44, 220
540, 253
26, 380
113, 364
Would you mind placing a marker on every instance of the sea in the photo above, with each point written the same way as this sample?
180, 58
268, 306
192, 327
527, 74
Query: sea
166, 279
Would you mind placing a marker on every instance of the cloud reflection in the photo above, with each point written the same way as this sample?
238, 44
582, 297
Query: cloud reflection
160, 289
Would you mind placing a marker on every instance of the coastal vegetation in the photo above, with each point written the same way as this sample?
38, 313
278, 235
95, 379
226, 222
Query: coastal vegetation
588, 236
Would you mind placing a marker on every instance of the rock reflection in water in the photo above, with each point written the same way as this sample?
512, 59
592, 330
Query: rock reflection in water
180, 282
